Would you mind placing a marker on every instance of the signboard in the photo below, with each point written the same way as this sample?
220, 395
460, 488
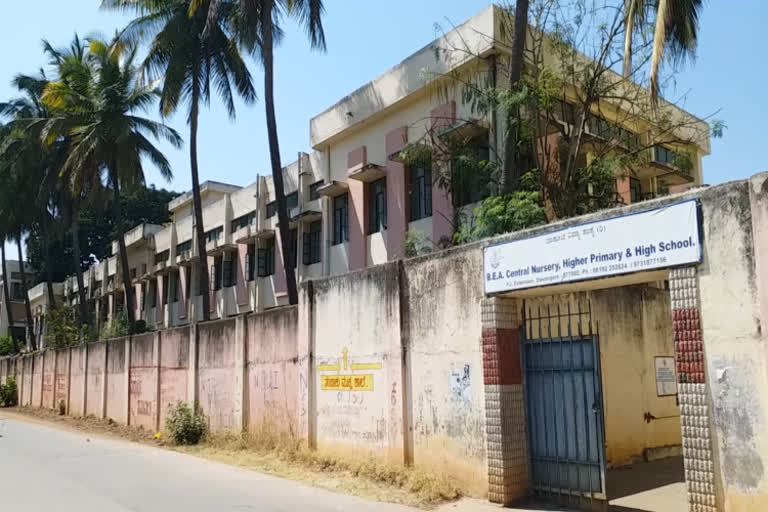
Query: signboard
651, 239
347, 382
666, 378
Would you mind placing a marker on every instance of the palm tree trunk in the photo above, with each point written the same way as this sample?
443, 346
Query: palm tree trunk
197, 201
511, 170
7, 295
629, 29
119, 233
27, 305
663, 15
49, 274
274, 152
82, 307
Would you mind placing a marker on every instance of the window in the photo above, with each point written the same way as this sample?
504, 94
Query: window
174, 287
635, 191
16, 275
243, 221
250, 262
17, 291
162, 257
271, 209
214, 234
664, 155
153, 293
313, 190
377, 210
142, 299
312, 243
340, 219
421, 193
133, 273
184, 247
228, 271
292, 200
188, 282
216, 273
266, 258
564, 112
293, 248
471, 180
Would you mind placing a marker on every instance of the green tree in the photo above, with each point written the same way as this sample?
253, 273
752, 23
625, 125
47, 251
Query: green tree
95, 106
257, 23
189, 51
675, 32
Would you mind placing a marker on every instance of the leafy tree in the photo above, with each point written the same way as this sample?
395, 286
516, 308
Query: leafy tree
63, 327
503, 214
96, 108
188, 51
257, 23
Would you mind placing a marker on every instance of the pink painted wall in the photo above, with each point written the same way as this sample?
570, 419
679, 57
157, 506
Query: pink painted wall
26, 398
48, 378
95, 379
142, 398
358, 206
37, 382
61, 381
174, 369
397, 195
272, 372
76, 380
216, 373
442, 205
117, 409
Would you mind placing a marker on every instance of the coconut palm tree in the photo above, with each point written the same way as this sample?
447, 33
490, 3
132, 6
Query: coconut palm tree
188, 53
94, 105
675, 34
510, 169
257, 25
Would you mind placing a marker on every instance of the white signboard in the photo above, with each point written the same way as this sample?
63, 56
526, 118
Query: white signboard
666, 378
651, 239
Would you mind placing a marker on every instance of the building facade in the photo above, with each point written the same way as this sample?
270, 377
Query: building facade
17, 329
353, 200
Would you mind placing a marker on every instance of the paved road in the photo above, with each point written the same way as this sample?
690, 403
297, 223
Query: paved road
43, 468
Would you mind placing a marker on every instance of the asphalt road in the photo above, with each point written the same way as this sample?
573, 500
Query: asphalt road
46, 469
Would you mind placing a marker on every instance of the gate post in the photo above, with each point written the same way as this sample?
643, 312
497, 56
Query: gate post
507, 442
692, 390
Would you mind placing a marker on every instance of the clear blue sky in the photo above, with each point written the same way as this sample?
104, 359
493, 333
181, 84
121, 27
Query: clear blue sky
366, 38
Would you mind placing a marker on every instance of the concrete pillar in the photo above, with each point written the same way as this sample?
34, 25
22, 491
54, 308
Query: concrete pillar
397, 195
442, 203
69, 378
504, 401
358, 207
306, 414
104, 375
240, 391
42, 379
160, 305
84, 390
241, 275
192, 382
156, 348
127, 380
183, 292
211, 292
54, 405
692, 391
279, 278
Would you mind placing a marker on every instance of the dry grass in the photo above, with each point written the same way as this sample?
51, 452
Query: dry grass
265, 450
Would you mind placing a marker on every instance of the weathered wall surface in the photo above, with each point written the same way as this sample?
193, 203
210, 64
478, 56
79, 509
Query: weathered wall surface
48, 363
61, 380
445, 365
37, 380
734, 339
216, 374
77, 381
271, 370
143, 386
95, 379
117, 366
174, 369
26, 391
358, 356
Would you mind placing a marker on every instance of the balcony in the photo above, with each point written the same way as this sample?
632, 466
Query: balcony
368, 173
160, 267
185, 257
333, 189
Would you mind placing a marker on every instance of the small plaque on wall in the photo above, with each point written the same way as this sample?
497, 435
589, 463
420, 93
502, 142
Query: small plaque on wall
666, 377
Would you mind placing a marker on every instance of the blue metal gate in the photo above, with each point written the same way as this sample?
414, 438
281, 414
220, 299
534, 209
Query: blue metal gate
561, 356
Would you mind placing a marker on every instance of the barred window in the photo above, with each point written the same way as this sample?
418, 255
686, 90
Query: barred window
340, 219
420, 192
378, 208
312, 240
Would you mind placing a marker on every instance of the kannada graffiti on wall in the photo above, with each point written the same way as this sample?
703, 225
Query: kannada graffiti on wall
347, 381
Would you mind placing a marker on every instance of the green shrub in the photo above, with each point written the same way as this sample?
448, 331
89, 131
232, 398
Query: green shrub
117, 328
503, 214
7, 347
416, 243
185, 425
139, 327
63, 327
9, 393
